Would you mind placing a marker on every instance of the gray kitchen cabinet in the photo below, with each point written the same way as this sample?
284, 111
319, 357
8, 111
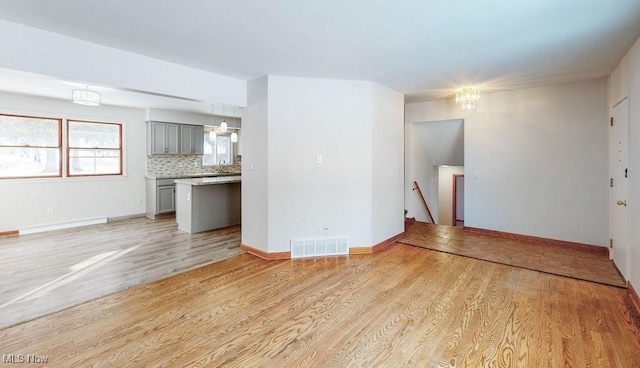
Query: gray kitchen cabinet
163, 138
166, 198
161, 197
192, 139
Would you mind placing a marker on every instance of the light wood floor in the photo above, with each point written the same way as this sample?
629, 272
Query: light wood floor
405, 306
540, 256
47, 272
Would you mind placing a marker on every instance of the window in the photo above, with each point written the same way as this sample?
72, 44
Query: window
94, 148
30, 147
218, 152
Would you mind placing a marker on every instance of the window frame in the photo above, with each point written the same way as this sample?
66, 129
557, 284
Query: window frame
69, 148
59, 147
231, 148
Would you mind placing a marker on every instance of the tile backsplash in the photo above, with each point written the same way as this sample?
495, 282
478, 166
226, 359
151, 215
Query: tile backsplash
179, 165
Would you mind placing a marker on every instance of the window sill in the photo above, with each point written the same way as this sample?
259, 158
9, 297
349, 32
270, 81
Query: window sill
63, 179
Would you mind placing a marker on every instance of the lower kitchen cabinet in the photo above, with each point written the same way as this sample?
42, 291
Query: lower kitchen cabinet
161, 197
166, 199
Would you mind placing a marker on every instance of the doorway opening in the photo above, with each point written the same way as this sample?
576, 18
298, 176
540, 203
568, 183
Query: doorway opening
458, 200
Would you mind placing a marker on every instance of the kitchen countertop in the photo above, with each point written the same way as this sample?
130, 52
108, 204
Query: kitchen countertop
201, 175
210, 181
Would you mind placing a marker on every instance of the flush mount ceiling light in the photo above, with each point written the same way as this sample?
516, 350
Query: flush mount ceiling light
223, 125
234, 135
86, 97
467, 98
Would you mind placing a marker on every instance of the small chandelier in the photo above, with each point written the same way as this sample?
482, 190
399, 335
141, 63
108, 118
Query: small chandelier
212, 132
86, 97
223, 125
467, 98
234, 135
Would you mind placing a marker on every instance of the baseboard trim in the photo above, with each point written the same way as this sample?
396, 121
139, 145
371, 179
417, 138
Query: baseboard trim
265, 255
595, 249
126, 217
387, 243
360, 250
378, 247
635, 300
352, 251
9, 233
62, 225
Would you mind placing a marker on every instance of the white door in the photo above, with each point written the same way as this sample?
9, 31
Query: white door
619, 157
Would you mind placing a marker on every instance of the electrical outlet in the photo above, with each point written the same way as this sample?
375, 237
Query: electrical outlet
139, 201
318, 159
319, 229
49, 211
325, 229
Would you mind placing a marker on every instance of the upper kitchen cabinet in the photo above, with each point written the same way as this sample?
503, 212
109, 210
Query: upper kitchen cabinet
163, 138
192, 139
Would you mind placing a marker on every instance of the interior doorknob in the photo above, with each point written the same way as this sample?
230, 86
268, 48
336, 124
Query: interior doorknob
622, 203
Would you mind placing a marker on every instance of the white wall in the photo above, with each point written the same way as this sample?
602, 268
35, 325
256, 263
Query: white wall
445, 193
255, 195
388, 166
24, 201
332, 118
37, 51
418, 167
625, 80
541, 157
292, 120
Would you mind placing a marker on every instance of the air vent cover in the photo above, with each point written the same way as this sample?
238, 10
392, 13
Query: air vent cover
320, 247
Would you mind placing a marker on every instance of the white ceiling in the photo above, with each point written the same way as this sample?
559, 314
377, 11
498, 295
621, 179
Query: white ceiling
423, 48
443, 141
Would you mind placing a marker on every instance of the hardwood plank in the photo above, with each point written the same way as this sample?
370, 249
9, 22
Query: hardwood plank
538, 240
404, 306
47, 272
570, 261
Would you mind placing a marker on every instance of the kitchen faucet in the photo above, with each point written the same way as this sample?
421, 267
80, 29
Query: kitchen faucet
220, 163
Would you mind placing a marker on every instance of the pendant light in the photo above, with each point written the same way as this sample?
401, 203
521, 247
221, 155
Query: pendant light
223, 125
234, 135
212, 133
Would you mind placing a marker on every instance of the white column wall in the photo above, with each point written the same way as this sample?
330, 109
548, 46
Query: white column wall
310, 117
255, 166
388, 165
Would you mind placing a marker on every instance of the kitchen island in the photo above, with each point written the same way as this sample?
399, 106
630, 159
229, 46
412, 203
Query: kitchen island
207, 203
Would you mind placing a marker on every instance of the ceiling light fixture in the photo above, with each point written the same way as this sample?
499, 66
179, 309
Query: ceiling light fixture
86, 97
467, 98
234, 135
223, 125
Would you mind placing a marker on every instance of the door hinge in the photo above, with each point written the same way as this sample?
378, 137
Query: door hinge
610, 243
626, 172
611, 121
611, 182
